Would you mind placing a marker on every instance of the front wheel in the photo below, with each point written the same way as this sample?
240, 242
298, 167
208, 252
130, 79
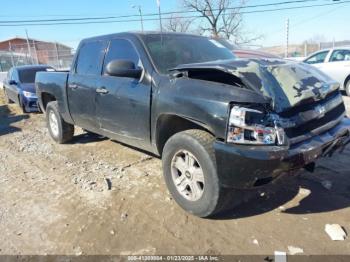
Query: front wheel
347, 88
190, 173
60, 131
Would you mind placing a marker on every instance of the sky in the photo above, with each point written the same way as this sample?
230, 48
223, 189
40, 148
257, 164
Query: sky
330, 22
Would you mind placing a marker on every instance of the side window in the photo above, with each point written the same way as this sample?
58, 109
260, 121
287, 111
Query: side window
89, 58
317, 58
340, 55
121, 49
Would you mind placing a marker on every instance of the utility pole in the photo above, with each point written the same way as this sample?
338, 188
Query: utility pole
287, 38
140, 12
36, 53
12, 58
28, 45
57, 55
160, 16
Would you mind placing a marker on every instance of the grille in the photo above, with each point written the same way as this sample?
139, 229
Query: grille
309, 104
317, 125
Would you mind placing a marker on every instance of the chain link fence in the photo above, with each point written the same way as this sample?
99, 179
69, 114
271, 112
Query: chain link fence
53, 54
307, 49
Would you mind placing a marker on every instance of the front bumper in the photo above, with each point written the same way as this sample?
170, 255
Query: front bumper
243, 166
30, 103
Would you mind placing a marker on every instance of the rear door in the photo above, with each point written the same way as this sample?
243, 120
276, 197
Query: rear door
124, 109
82, 84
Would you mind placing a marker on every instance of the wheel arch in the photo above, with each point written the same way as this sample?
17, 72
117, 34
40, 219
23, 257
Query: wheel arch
46, 98
347, 79
170, 124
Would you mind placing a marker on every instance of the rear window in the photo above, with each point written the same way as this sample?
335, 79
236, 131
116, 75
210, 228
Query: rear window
28, 75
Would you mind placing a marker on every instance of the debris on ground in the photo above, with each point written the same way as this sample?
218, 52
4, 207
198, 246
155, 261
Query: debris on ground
335, 232
295, 250
78, 251
109, 183
123, 216
280, 256
256, 242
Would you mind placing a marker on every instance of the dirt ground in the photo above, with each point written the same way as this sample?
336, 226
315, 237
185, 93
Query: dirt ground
96, 196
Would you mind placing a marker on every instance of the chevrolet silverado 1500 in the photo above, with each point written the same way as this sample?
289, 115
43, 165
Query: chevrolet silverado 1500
219, 123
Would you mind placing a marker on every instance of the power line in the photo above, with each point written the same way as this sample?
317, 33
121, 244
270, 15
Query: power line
150, 14
167, 18
301, 22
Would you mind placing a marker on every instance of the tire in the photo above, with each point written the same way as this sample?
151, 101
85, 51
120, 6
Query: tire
198, 145
60, 131
347, 88
7, 99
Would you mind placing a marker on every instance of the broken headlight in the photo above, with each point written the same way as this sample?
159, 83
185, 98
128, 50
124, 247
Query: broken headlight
248, 126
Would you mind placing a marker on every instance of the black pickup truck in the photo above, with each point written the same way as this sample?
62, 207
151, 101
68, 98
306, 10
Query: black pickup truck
220, 124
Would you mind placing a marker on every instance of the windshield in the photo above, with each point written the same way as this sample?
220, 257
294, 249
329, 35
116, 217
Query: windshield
169, 51
27, 75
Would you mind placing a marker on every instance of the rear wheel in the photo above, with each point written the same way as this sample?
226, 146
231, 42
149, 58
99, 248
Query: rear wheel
190, 174
60, 131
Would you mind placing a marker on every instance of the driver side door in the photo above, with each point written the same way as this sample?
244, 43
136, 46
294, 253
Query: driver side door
123, 103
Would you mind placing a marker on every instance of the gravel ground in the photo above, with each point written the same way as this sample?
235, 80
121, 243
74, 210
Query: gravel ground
96, 196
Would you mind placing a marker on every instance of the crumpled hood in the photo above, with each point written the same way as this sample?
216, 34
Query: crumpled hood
29, 87
286, 83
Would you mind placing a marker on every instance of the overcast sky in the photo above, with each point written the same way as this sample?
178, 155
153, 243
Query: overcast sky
329, 22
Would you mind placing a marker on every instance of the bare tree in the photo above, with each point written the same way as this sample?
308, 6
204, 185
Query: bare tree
223, 19
177, 24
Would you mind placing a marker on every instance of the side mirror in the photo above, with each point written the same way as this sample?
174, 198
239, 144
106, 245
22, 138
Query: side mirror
123, 68
12, 82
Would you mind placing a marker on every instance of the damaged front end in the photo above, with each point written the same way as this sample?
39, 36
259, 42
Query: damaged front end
304, 120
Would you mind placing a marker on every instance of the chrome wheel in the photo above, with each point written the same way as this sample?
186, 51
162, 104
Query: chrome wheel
53, 123
187, 175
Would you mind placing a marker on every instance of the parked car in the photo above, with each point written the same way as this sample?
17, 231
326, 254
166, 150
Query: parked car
19, 86
335, 63
245, 53
219, 124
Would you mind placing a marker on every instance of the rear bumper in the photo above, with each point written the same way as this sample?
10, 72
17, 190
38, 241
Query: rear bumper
242, 166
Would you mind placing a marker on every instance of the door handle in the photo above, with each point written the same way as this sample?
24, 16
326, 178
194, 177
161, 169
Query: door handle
102, 91
73, 86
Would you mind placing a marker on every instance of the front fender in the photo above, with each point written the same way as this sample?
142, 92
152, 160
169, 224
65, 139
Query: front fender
203, 102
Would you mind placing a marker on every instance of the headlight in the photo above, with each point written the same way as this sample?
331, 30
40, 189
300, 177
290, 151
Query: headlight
246, 126
28, 94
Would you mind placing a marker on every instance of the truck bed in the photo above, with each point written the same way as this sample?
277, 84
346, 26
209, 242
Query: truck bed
54, 84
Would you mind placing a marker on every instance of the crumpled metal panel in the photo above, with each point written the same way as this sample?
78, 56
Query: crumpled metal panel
287, 83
